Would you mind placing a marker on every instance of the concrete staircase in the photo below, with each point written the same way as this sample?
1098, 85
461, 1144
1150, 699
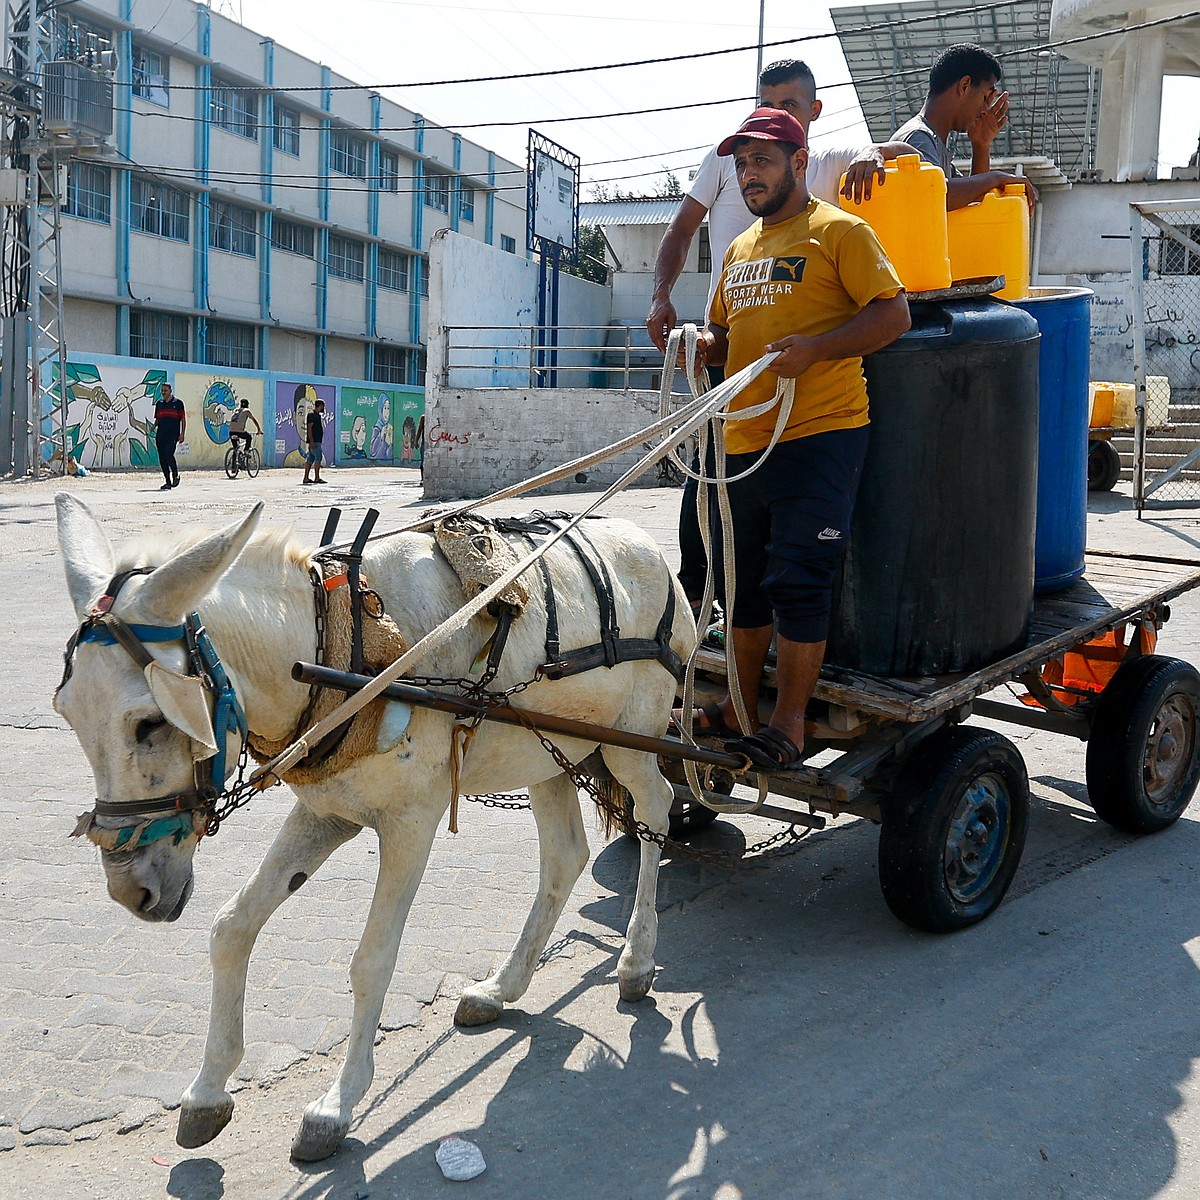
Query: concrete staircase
1166, 447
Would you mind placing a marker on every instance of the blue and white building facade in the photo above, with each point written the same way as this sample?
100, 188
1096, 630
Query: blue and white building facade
259, 211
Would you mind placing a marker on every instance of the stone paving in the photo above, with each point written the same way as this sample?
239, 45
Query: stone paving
102, 1017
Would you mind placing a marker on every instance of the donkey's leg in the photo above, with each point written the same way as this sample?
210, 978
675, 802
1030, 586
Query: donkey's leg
404, 844
563, 851
652, 804
303, 843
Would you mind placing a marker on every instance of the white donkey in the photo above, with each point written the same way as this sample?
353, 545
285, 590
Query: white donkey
137, 717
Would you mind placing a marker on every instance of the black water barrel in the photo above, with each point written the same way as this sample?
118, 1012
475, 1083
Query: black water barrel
938, 576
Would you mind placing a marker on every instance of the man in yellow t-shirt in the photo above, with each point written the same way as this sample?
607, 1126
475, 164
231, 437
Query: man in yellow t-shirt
812, 283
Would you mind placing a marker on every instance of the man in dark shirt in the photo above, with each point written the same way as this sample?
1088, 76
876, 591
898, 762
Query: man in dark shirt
314, 431
170, 427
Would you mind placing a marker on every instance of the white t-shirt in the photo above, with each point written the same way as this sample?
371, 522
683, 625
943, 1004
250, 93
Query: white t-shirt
716, 187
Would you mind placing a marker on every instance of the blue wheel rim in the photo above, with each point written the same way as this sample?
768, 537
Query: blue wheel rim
978, 837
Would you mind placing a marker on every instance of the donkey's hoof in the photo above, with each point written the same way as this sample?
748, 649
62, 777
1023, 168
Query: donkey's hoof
198, 1126
636, 987
318, 1137
477, 1010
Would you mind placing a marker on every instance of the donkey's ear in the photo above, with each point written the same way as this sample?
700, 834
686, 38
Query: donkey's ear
86, 553
176, 587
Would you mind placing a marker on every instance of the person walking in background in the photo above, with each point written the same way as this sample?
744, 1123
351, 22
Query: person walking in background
314, 433
170, 428
963, 98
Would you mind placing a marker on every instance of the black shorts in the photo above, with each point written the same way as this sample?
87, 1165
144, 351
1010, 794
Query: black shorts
791, 519
244, 437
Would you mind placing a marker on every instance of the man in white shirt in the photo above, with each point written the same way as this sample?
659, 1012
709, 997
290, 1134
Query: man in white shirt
788, 85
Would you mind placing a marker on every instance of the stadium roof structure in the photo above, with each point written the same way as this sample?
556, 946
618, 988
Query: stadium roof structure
1054, 102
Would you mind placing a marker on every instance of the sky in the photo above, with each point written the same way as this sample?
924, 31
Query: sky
410, 42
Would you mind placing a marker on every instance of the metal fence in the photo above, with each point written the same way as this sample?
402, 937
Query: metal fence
1165, 303
620, 357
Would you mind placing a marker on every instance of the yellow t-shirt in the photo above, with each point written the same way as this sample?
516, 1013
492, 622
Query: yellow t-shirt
806, 275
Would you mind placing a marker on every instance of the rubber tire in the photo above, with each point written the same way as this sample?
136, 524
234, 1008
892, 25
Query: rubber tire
253, 462
932, 784
1103, 466
1125, 726
231, 462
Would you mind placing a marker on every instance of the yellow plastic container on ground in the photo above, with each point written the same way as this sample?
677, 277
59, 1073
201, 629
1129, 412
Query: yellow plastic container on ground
908, 213
991, 237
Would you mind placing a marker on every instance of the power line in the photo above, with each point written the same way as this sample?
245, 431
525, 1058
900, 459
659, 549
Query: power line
641, 62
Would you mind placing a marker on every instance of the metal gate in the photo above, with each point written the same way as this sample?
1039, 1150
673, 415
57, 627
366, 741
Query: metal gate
1165, 307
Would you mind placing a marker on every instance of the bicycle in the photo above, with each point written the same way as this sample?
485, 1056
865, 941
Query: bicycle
239, 459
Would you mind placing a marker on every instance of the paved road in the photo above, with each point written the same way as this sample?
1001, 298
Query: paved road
799, 1041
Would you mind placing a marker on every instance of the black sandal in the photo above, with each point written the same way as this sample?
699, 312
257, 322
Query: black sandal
769, 748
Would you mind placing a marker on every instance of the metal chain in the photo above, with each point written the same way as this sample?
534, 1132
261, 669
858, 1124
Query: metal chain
788, 839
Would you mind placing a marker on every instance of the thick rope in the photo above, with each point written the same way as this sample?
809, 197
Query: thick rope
675, 427
783, 399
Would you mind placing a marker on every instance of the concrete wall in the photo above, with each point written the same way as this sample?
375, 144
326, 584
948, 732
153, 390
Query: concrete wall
482, 437
1084, 241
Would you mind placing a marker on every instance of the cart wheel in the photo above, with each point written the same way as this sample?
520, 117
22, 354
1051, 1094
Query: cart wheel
954, 829
1103, 466
1142, 760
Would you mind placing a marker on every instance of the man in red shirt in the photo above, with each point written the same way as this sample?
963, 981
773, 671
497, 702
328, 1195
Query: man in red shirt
170, 428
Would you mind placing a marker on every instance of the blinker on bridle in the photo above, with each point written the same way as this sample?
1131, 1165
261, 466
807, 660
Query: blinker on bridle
191, 811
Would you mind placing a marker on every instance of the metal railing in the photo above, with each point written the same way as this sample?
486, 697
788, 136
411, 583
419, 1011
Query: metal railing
619, 357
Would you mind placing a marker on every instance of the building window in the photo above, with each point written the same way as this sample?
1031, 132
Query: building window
437, 191
151, 75
389, 171
393, 270
158, 335
233, 228
291, 237
89, 192
159, 209
391, 364
347, 154
232, 345
466, 204
1176, 258
235, 109
346, 258
285, 135
704, 263
508, 244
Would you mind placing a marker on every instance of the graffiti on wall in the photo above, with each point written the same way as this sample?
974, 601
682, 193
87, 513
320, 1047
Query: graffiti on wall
293, 402
378, 425
110, 414
210, 401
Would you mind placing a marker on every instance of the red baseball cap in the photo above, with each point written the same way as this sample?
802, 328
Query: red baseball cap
767, 125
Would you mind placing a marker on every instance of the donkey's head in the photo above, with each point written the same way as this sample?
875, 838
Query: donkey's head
145, 722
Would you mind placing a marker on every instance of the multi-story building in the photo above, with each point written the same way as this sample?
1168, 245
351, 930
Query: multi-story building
258, 211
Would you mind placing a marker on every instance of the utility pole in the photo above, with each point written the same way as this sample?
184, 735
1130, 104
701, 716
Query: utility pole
56, 104
762, 19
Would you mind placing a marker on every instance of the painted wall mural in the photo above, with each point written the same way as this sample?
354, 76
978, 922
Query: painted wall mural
379, 425
294, 400
210, 400
110, 414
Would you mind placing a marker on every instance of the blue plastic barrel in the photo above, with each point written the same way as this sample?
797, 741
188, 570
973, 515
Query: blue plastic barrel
1064, 321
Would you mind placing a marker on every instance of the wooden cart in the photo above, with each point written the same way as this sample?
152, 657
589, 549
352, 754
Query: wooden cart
951, 799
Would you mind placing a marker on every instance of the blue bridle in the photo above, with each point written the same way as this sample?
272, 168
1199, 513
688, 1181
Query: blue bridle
191, 810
